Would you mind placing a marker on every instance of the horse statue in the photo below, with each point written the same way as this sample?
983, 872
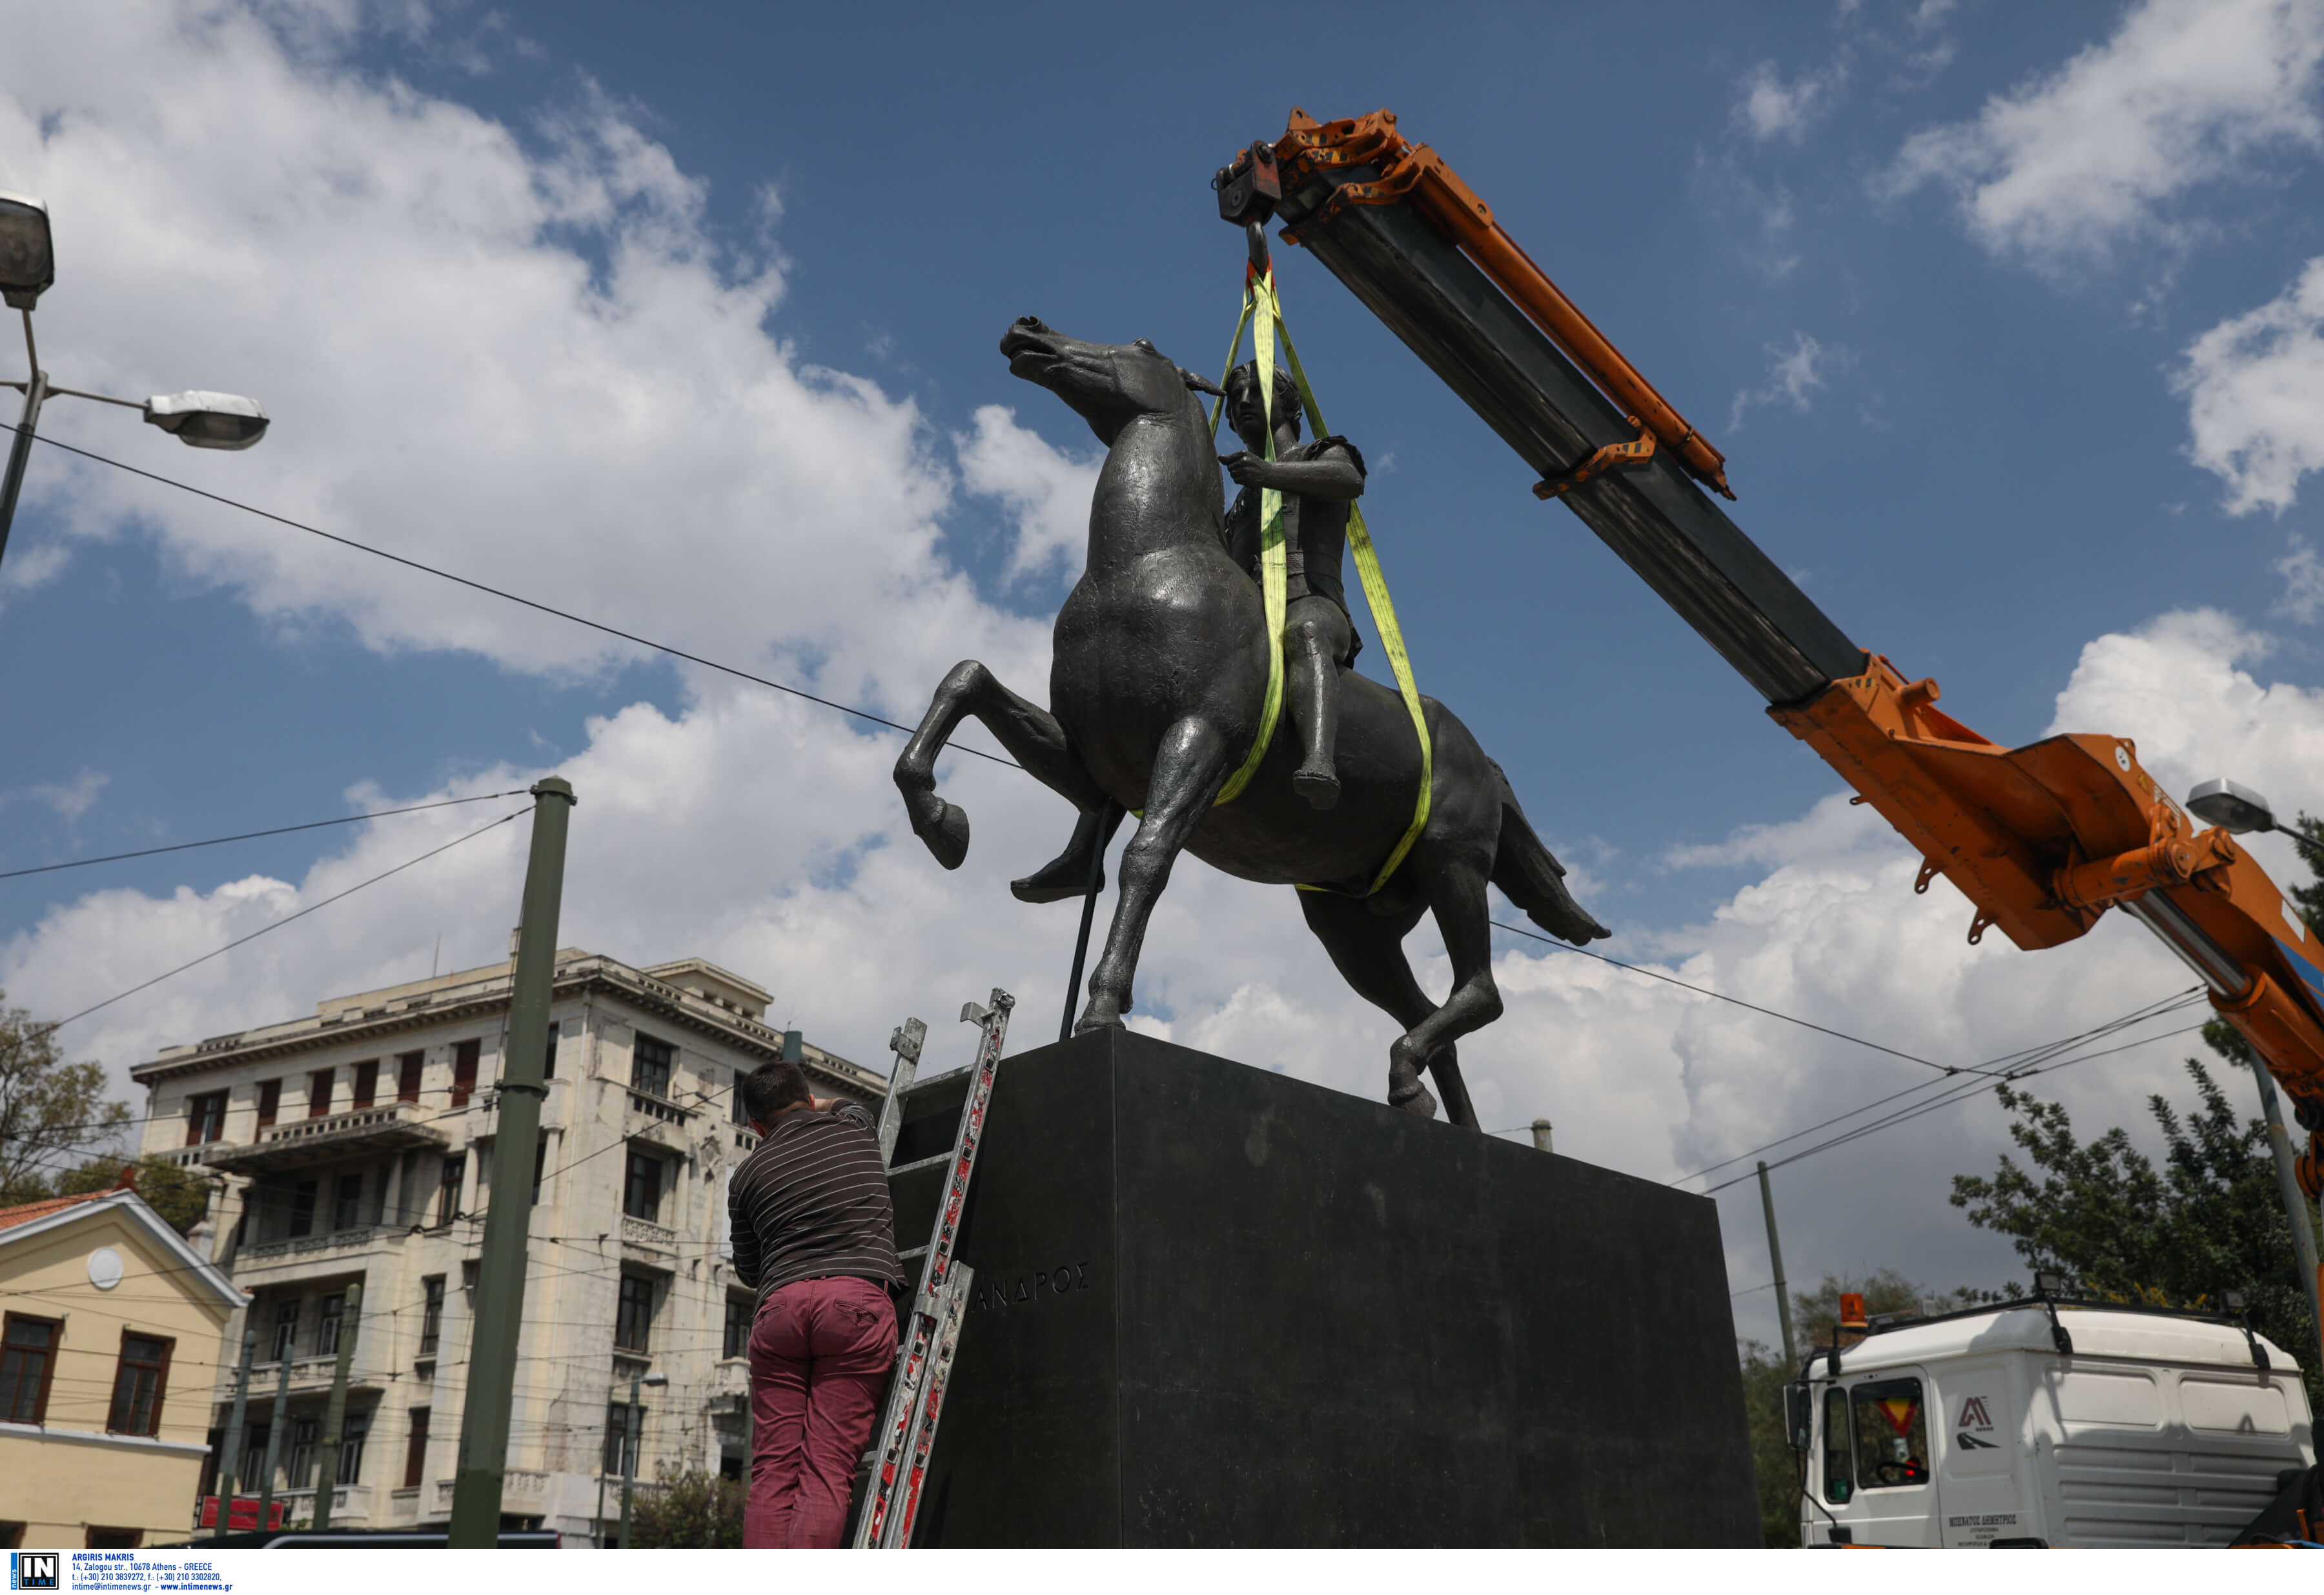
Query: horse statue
1157, 684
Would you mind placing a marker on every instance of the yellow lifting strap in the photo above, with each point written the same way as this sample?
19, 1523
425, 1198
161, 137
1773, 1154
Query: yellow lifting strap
1262, 311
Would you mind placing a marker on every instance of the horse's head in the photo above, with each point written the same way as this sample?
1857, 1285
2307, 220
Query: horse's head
1108, 385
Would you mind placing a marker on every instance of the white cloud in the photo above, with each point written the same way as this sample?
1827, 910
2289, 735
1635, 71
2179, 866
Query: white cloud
1047, 490
1793, 375
2183, 93
2302, 574
73, 798
1772, 108
2255, 391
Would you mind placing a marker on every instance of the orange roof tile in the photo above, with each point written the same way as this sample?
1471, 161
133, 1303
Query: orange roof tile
10, 1217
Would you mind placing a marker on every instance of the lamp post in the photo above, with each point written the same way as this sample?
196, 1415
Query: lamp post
630, 1456
198, 419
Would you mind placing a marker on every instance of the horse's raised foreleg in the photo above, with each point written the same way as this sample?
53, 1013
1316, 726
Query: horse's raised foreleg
1189, 768
1030, 733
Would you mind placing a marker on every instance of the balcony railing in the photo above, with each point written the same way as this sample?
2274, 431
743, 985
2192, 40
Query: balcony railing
299, 1248
351, 1504
518, 1486
639, 1232
309, 1372
388, 1127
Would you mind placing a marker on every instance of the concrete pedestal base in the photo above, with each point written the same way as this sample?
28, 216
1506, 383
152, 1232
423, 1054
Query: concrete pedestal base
1217, 1306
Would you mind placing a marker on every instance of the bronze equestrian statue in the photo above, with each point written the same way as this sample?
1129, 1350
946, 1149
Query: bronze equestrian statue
1157, 684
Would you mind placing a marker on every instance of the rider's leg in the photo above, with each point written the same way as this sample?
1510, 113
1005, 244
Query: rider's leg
1068, 875
1316, 637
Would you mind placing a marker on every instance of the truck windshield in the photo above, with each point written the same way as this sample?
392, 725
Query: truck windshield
1892, 1435
1839, 1460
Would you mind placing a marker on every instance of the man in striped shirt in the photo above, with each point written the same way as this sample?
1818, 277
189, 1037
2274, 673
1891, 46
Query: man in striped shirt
814, 1235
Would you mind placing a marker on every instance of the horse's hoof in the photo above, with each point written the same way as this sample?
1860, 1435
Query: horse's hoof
1320, 787
1415, 1100
946, 833
1094, 1020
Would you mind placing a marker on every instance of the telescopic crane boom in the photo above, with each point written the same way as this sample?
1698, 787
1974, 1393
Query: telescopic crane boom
2042, 839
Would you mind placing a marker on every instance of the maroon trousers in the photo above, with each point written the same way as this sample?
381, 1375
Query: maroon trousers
820, 1352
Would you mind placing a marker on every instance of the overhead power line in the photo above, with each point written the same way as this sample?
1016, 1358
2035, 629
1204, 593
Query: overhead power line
350, 819
27, 1039
533, 603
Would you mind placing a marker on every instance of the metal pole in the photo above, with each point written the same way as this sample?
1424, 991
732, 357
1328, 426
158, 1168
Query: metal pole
508, 1220
597, 1524
280, 1422
21, 450
1541, 1128
1775, 1256
334, 1415
1107, 819
230, 1449
2287, 1180
629, 1460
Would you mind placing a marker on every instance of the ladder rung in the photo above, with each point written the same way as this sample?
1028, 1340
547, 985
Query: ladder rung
905, 1257
928, 1081
904, 1169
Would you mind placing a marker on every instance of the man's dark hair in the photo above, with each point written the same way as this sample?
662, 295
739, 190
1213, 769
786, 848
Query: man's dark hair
1286, 390
770, 1088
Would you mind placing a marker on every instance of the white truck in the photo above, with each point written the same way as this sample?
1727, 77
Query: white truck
2048, 1423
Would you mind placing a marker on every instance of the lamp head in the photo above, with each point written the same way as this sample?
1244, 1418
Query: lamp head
28, 261
2232, 807
201, 419
655, 1379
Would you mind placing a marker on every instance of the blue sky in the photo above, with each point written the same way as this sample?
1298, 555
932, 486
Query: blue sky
685, 319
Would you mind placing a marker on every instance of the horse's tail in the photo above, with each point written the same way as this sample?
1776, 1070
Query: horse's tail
1533, 879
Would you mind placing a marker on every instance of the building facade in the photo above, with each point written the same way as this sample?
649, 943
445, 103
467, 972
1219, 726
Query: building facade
108, 1353
356, 1145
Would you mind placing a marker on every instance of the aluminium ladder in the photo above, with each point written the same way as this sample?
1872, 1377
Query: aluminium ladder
901, 1446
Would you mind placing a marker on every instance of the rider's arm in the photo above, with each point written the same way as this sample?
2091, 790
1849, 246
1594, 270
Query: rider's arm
1336, 475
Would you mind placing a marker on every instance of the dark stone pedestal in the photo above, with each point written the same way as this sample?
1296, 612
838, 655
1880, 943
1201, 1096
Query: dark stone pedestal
1216, 1306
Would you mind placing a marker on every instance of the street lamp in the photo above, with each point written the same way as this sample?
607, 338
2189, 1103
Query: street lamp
2232, 807
28, 267
629, 1460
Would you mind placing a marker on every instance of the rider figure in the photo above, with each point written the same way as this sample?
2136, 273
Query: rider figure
1318, 482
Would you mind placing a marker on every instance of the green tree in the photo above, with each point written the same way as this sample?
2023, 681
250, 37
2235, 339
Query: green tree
53, 1113
180, 1197
690, 1511
2209, 1219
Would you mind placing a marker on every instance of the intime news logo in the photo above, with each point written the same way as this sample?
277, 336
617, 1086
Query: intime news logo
34, 1569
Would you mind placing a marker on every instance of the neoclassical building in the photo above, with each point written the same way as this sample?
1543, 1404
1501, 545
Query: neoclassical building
357, 1145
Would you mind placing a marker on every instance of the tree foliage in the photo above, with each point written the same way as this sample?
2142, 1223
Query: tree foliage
179, 1196
2207, 1220
689, 1511
53, 1113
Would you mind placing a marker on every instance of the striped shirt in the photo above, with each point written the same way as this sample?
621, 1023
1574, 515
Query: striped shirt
811, 1203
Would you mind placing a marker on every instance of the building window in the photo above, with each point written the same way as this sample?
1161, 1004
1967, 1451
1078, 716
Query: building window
432, 1315
327, 1328
205, 1118
351, 1435
539, 1161
366, 1090
286, 1329
448, 1189
299, 1472
1892, 1435
741, 1114
113, 1539
269, 1098
642, 1192
621, 1445
415, 1449
318, 1092
302, 1208
407, 1075
737, 1327
138, 1381
464, 1070
548, 1064
346, 1210
634, 1317
649, 1065
28, 1359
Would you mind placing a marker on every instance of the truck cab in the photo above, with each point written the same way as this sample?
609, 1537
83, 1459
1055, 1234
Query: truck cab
2046, 1423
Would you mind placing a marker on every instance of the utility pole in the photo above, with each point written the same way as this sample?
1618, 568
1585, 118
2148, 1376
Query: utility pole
36, 389
230, 1450
636, 1443
280, 1422
508, 1219
1775, 1256
2287, 1180
334, 1415
1541, 1135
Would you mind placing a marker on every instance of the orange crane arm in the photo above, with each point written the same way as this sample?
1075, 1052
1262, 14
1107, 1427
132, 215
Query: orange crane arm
2043, 839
